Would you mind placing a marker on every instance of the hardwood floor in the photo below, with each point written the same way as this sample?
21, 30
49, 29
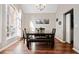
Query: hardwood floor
18, 48
39, 48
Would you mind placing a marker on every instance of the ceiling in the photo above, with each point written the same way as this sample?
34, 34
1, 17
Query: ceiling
31, 8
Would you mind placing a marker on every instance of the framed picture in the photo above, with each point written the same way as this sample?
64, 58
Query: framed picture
59, 22
44, 21
57, 19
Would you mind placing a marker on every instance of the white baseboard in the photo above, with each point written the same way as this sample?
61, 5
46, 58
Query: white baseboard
76, 50
60, 40
9, 45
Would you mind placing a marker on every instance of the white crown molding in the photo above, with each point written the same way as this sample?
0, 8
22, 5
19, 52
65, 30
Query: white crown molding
30, 8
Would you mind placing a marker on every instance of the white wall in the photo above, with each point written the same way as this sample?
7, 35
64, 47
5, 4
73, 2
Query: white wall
29, 17
60, 11
0, 23
4, 24
76, 26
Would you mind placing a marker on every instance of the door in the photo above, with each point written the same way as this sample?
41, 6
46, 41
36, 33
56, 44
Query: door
68, 36
69, 27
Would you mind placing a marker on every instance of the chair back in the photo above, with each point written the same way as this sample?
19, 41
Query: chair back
24, 33
53, 31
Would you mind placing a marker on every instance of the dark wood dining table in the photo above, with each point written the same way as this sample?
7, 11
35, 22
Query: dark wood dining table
40, 37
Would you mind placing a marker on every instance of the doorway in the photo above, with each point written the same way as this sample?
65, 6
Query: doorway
68, 27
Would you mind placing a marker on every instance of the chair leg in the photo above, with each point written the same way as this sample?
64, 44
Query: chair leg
24, 40
28, 45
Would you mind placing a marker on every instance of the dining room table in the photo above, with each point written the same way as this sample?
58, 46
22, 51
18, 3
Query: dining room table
40, 37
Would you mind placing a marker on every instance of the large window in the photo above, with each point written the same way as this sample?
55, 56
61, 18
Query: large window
18, 18
13, 21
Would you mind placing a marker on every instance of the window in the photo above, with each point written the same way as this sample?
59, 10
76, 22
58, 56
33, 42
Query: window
11, 21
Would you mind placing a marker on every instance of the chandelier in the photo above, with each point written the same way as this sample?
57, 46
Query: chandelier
40, 6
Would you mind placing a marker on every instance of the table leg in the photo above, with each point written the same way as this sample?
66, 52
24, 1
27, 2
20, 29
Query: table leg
52, 43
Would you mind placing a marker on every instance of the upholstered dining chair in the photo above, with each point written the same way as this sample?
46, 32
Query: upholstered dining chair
54, 31
24, 34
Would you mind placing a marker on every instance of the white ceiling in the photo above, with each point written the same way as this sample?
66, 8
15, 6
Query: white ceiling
31, 8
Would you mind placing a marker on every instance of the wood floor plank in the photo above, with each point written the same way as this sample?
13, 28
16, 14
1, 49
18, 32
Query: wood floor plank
39, 48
